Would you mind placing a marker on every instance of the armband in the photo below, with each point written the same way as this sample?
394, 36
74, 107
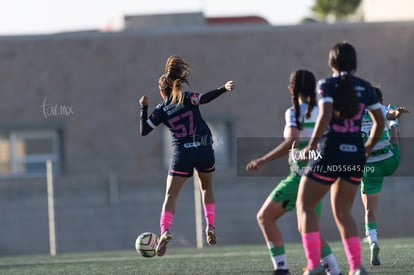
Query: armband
195, 100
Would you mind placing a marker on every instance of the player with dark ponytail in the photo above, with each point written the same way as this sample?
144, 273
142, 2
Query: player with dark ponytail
191, 141
302, 83
299, 123
338, 156
346, 103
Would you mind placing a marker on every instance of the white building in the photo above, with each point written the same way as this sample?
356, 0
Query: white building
386, 10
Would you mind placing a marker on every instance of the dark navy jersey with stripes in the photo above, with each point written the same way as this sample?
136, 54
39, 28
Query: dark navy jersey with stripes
367, 99
191, 137
341, 149
188, 128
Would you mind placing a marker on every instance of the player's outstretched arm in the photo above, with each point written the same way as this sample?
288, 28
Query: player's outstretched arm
281, 150
211, 95
144, 127
394, 114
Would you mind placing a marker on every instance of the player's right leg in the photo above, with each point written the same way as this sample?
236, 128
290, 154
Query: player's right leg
174, 185
267, 216
207, 194
162, 243
281, 200
204, 164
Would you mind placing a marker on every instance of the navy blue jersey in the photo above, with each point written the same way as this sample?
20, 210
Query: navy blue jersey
187, 127
191, 137
340, 126
341, 149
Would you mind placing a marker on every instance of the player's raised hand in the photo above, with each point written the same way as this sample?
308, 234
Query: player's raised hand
229, 85
396, 113
401, 110
143, 101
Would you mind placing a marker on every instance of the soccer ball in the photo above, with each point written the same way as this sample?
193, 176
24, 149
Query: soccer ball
146, 244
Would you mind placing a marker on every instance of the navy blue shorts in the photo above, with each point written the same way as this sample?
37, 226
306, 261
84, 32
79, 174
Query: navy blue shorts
185, 160
337, 158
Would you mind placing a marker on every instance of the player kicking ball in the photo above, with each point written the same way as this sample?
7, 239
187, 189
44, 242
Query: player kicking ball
192, 143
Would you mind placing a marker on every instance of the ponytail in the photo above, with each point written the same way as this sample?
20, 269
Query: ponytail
311, 99
346, 103
296, 108
177, 96
343, 59
176, 72
302, 84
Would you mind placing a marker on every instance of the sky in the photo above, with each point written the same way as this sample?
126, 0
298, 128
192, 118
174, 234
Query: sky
20, 17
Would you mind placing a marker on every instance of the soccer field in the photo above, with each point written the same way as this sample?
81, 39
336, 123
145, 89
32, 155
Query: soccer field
397, 258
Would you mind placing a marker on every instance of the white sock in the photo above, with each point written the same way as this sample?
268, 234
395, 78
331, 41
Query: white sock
280, 262
372, 236
330, 261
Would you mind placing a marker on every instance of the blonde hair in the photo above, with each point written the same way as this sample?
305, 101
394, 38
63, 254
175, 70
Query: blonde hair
175, 74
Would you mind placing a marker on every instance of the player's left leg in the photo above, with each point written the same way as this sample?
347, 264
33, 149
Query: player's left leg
310, 193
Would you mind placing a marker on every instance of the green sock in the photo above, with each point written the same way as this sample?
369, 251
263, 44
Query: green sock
371, 232
278, 250
278, 256
325, 251
371, 225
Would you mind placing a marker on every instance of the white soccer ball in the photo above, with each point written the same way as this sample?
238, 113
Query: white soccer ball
146, 244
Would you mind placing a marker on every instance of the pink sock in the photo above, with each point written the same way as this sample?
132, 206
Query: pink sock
210, 213
352, 247
312, 245
166, 220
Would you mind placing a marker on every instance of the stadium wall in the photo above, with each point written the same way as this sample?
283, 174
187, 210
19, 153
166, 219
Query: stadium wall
111, 182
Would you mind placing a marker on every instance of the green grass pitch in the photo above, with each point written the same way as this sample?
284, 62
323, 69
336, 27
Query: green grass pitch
397, 256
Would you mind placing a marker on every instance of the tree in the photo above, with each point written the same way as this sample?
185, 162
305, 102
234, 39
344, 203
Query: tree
333, 10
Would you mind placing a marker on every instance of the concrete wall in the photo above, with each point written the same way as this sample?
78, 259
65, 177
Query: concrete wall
101, 77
